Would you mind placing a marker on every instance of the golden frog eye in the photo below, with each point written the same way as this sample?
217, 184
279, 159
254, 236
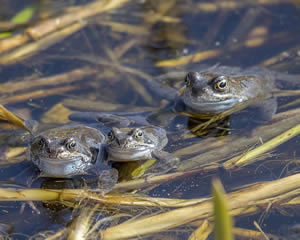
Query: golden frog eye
221, 84
139, 134
71, 144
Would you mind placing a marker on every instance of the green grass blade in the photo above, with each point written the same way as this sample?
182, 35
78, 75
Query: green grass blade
222, 219
21, 17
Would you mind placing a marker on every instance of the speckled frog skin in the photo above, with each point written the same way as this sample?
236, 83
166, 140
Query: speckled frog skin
71, 150
126, 144
135, 144
141, 143
66, 151
210, 91
221, 89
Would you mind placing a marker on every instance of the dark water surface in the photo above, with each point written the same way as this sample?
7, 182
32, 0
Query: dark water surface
130, 44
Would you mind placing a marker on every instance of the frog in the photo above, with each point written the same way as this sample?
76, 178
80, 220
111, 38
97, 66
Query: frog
132, 138
141, 143
72, 150
61, 151
214, 92
208, 91
217, 89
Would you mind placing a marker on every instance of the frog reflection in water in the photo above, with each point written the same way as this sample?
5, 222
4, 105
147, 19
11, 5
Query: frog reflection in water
141, 143
71, 150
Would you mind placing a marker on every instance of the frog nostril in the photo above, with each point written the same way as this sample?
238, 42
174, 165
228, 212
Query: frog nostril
52, 153
122, 142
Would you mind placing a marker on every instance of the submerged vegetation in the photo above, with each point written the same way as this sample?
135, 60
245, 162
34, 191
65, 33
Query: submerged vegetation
100, 56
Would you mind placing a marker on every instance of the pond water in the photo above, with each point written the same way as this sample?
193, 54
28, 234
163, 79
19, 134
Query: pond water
103, 61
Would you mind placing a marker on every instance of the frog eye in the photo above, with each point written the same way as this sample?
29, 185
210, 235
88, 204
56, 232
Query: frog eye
221, 84
111, 136
187, 80
42, 143
139, 134
71, 144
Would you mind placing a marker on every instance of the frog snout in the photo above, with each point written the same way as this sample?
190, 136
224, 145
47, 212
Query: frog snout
191, 77
122, 142
54, 152
196, 83
198, 89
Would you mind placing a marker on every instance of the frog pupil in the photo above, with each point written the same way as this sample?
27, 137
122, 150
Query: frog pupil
222, 84
110, 135
42, 143
71, 144
187, 80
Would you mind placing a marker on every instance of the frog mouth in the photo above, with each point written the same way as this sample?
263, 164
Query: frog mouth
209, 106
60, 161
61, 167
127, 155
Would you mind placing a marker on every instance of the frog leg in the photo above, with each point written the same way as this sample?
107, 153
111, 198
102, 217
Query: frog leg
171, 78
107, 119
107, 179
267, 108
103, 179
165, 162
162, 118
27, 174
31, 125
161, 85
113, 120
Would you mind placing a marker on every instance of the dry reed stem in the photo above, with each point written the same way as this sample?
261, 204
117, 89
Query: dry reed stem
245, 198
38, 94
12, 194
71, 17
13, 42
79, 228
150, 181
212, 151
249, 157
251, 234
231, 5
63, 78
244, 201
287, 93
202, 232
197, 57
32, 48
290, 104
54, 24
